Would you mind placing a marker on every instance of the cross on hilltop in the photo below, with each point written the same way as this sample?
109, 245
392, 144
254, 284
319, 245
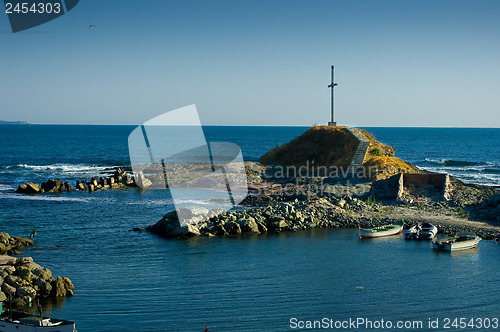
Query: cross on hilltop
332, 86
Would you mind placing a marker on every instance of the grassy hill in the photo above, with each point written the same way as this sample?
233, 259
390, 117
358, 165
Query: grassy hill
335, 146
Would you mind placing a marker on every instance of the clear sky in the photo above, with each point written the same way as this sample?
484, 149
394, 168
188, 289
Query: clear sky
398, 63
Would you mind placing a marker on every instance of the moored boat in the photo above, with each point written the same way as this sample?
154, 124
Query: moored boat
380, 231
421, 231
11, 321
428, 231
460, 242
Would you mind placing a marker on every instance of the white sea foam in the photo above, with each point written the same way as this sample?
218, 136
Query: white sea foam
193, 201
6, 187
150, 202
44, 198
69, 168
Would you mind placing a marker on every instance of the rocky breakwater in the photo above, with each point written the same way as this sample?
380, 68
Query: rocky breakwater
13, 244
273, 216
118, 179
24, 281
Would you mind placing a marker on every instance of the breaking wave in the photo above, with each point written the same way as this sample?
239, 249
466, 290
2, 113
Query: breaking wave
69, 168
452, 163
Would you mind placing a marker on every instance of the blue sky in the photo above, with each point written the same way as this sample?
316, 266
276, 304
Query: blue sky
398, 63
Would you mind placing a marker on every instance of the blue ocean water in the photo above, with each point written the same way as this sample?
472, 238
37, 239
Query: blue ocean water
129, 281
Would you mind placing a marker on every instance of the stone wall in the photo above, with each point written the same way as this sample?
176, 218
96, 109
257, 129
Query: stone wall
406, 186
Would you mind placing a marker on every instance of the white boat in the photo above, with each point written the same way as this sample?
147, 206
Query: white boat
428, 231
380, 231
421, 231
15, 321
459, 242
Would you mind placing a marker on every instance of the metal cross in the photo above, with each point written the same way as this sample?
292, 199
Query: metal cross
332, 85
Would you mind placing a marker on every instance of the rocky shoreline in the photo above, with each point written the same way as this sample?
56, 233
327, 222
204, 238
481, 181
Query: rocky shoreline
278, 214
13, 245
119, 179
24, 281
297, 203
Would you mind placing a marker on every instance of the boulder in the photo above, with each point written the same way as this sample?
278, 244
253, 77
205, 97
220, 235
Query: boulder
43, 273
53, 186
188, 230
13, 281
220, 230
28, 188
8, 289
193, 214
69, 285
59, 287
21, 189
4, 238
232, 227
20, 243
68, 186
277, 223
142, 181
24, 260
44, 287
126, 178
24, 273
26, 291
248, 225
118, 173
6, 270
3, 297
262, 227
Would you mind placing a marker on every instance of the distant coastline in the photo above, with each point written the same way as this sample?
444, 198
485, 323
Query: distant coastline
13, 122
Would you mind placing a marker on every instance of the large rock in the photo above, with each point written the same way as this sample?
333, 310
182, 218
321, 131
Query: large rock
24, 273
44, 274
232, 227
188, 230
8, 289
193, 214
59, 287
53, 186
81, 186
26, 291
44, 287
4, 238
142, 181
13, 281
248, 225
3, 297
28, 188
277, 223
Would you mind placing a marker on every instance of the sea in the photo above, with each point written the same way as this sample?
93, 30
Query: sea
320, 278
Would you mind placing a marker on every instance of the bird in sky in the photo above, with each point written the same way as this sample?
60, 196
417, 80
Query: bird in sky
91, 26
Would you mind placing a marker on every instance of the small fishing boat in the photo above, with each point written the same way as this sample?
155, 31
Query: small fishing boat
380, 231
461, 241
421, 231
14, 321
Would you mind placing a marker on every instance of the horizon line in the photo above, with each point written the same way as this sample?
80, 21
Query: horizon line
254, 125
